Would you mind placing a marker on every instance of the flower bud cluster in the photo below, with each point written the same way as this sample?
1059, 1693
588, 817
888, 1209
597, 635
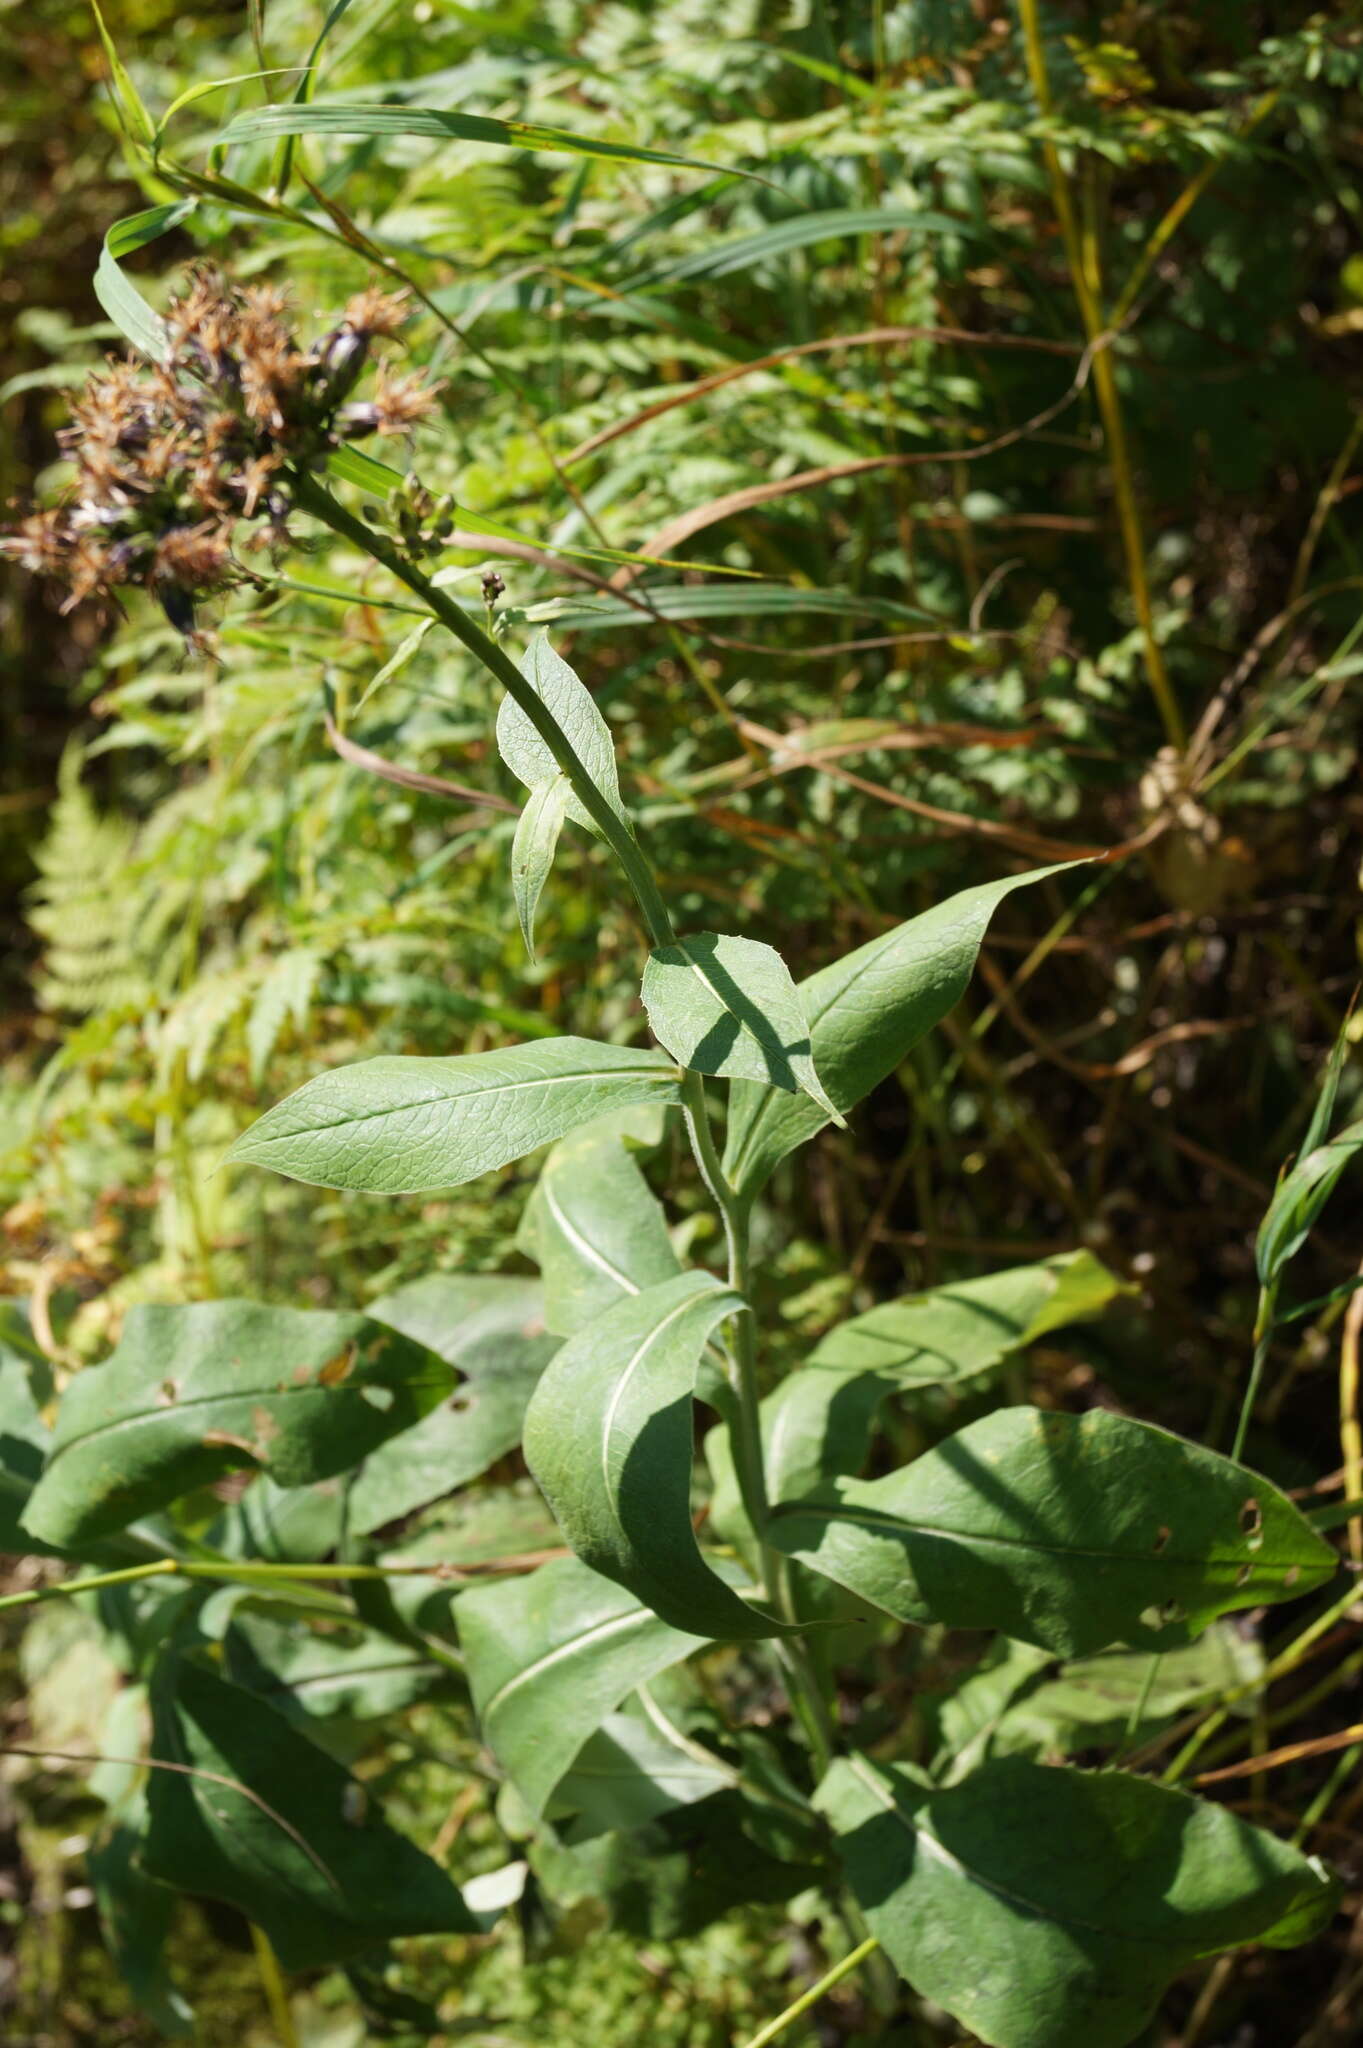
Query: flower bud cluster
171, 462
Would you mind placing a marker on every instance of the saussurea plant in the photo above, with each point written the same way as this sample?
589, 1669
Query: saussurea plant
604, 1658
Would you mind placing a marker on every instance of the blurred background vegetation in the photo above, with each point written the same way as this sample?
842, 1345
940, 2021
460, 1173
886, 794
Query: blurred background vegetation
998, 456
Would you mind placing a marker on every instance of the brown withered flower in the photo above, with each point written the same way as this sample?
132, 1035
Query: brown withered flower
173, 460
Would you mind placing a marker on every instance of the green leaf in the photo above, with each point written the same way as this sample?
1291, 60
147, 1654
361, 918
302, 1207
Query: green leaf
313, 1677
400, 1125
490, 1326
801, 231
121, 300
273, 1825
866, 1012
25, 1438
196, 1391
818, 1420
354, 117
1049, 1908
728, 1006
1068, 1531
549, 1656
608, 1437
135, 1917
629, 1773
594, 1229
1299, 1198
532, 849
134, 115
573, 706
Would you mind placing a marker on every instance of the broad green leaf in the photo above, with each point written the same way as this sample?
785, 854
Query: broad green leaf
532, 850
490, 1327
25, 1438
135, 1917
401, 1125
866, 1012
564, 693
196, 1391
1068, 1531
267, 1821
1049, 1908
123, 303
312, 1677
728, 1006
549, 1656
354, 117
594, 1229
818, 1420
629, 1773
1299, 1198
608, 1437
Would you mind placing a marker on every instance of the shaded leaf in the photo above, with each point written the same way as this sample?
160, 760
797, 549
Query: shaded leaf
490, 1327
629, 1773
306, 1858
401, 1125
549, 1656
1031, 1948
728, 1006
608, 1436
196, 1391
135, 1915
312, 1677
866, 1012
1068, 1531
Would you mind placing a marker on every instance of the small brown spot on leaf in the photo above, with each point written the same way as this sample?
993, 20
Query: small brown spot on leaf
168, 1393
223, 1439
1251, 1517
265, 1427
1162, 1539
1291, 1575
338, 1368
1244, 1575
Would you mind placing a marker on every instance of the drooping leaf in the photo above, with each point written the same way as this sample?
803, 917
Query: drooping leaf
194, 1391
532, 849
865, 1013
818, 1420
120, 299
267, 1821
549, 1656
594, 1229
728, 1006
563, 693
1024, 1900
1068, 1531
490, 1327
608, 1436
1299, 1199
401, 1125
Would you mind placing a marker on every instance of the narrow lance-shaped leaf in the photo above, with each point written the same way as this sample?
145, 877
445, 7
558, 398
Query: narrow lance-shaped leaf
594, 1229
1068, 1531
404, 1124
608, 1436
549, 1656
1050, 1908
1299, 1198
354, 117
121, 300
563, 693
532, 850
866, 1012
196, 1391
261, 1817
728, 1007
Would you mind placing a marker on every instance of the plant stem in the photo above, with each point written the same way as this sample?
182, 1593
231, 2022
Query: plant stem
250, 1572
1263, 1338
276, 1991
311, 495
1105, 389
814, 1993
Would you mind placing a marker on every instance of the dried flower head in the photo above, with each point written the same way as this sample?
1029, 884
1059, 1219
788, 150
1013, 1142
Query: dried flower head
171, 461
